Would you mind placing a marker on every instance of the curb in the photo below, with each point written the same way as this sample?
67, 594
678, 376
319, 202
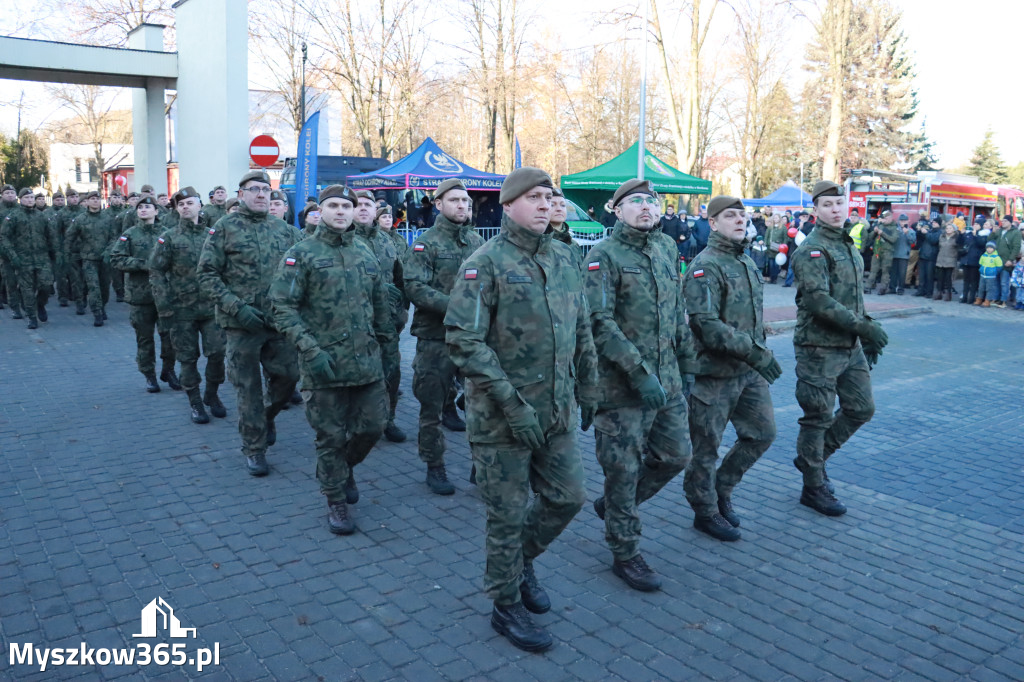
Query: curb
785, 325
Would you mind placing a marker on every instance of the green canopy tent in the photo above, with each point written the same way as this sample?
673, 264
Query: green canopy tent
595, 186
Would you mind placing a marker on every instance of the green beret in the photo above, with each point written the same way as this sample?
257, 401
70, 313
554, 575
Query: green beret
278, 195
365, 194
134, 195
826, 188
147, 201
72, 192
9, 188
634, 186
90, 195
450, 183
720, 203
25, 190
231, 201
40, 194
522, 180
147, 188
339, 192
58, 193
220, 187
382, 210
557, 192
260, 175
185, 193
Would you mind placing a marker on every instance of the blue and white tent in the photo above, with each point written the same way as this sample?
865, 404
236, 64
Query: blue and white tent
787, 196
426, 168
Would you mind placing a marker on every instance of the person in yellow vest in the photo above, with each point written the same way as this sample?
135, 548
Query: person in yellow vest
857, 225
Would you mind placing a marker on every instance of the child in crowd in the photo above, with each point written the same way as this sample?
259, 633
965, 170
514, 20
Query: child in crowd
990, 265
1017, 280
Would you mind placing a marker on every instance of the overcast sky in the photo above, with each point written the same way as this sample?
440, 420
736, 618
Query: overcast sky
967, 57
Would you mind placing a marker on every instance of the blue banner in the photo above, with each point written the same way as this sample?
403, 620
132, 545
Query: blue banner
305, 164
519, 154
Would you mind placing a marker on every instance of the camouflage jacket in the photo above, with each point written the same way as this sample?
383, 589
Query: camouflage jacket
28, 235
885, 241
328, 293
565, 237
7, 206
384, 249
401, 245
829, 298
213, 213
518, 323
90, 236
130, 254
430, 269
239, 260
173, 276
63, 219
638, 313
725, 296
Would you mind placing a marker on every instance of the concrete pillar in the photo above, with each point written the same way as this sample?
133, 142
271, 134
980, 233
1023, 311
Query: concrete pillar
148, 131
213, 92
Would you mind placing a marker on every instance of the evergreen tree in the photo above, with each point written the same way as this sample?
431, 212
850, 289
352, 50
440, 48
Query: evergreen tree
987, 163
23, 160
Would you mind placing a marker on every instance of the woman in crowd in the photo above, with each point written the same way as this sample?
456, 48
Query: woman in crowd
945, 262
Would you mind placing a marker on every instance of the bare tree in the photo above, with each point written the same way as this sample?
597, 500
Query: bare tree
103, 22
833, 29
92, 107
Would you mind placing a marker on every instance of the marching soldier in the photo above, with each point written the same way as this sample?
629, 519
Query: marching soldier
29, 243
278, 204
185, 310
9, 202
724, 294
329, 298
430, 270
69, 272
561, 230
518, 327
644, 349
130, 254
88, 241
116, 210
215, 210
885, 237
236, 267
835, 342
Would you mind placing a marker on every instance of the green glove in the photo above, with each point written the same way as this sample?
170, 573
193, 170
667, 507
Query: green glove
522, 419
652, 392
250, 318
871, 353
587, 413
872, 332
764, 363
395, 295
320, 365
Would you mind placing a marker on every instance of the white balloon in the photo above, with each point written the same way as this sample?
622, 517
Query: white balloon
799, 238
780, 259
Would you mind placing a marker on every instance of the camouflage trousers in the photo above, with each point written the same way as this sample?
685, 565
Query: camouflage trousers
391, 360
520, 528
246, 353
62, 280
144, 321
96, 275
822, 374
117, 279
185, 335
35, 285
11, 285
640, 451
348, 422
880, 269
432, 376
744, 400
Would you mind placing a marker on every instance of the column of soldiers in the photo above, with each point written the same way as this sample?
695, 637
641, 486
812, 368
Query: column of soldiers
544, 339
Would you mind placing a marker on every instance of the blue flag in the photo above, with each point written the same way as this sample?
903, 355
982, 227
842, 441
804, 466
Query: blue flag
305, 164
519, 154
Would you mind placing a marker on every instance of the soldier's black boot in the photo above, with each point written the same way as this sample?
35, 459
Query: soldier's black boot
151, 385
16, 313
716, 526
41, 311
33, 322
79, 308
727, 512
199, 415
351, 491
637, 574
271, 429
103, 312
393, 433
257, 465
472, 474
535, 599
599, 507
451, 419
515, 624
822, 501
168, 376
828, 483
212, 400
437, 480
338, 520
97, 319
296, 398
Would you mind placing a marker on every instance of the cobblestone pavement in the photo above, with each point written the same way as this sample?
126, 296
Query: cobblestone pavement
110, 498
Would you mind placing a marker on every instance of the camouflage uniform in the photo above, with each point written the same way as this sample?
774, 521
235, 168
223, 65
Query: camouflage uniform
829, 357
89, 240
384, 250
328, 295
7, 273
29, 241
130, 254
884, 249
431, 267
189, 313
235, 269
213, 213
66, 272
563, 235
402, 249
519, 330
117, 275
724, 294
639, 327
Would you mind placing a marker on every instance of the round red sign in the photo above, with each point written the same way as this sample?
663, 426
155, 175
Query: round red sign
264, 151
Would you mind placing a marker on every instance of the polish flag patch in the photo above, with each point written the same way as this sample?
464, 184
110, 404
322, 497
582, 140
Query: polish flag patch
160, 240
212, 230
596, 265
815, 254
289, 261
698, 273
419, 247
123, 238
471, 273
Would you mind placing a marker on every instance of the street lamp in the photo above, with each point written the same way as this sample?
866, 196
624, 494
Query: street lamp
303, 104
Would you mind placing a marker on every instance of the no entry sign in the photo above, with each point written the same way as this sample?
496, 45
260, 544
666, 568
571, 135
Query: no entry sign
263, 150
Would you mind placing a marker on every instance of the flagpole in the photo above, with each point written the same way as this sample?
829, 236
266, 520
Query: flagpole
643, 99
